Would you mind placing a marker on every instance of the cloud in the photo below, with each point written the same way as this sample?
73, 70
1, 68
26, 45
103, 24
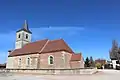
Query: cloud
63, 28
56, 32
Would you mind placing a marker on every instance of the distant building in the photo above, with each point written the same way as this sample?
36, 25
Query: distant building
42, 54
3, 65
101, 61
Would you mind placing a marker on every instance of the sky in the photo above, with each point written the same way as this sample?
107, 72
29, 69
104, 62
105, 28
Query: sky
87, 26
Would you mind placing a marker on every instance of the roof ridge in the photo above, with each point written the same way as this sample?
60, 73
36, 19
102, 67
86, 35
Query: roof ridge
36, 41
41, 40
67, 45
44, 46
56, 39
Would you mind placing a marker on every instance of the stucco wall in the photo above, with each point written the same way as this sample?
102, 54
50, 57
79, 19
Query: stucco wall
20, 42
10, 63
13, 62
82, 62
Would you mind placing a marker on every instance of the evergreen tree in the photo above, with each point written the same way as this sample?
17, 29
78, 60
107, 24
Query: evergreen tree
92, 63
87, 62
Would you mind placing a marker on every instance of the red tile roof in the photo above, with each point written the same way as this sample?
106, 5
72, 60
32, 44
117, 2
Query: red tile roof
57, 45
42, 46
76, 57
33, 47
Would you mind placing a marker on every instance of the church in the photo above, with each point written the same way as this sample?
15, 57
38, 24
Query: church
41, 54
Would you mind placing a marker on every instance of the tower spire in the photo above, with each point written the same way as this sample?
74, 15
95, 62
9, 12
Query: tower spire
26, 25
23, 36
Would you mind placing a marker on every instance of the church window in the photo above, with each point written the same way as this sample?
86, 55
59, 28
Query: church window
26, 36
19, 36
50, 59
63, 56
19, 62
28, 61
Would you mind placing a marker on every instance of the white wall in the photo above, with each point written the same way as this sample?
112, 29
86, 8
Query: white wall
10, 62
114, 63
82, 63
13, 62
20, 42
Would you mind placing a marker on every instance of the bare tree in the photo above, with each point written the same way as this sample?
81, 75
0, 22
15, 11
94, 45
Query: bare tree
114, 50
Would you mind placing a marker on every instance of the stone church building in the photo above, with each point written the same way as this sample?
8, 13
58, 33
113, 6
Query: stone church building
42, 54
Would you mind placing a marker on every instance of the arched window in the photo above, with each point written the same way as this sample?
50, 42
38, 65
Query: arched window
50, 59
63, 56
19, 62
26, 36
19, 36
28, 61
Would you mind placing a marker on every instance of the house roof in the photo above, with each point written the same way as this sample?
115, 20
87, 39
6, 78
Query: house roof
76, 57
42, 46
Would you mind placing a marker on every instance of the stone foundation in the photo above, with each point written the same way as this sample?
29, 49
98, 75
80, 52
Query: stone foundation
51, 71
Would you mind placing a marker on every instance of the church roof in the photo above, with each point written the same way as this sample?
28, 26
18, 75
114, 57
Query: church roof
25, 28
76, 57
56, 45
42, 46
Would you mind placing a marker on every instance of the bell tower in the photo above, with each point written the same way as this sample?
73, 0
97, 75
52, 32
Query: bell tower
23, 36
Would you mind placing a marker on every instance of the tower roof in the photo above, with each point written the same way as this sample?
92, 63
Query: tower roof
25, 27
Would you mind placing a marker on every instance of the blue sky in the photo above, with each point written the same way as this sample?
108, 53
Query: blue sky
88, 26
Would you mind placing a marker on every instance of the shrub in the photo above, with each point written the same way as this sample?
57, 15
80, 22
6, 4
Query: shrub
98, 65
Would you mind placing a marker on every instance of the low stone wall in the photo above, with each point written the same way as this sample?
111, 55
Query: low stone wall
51, 71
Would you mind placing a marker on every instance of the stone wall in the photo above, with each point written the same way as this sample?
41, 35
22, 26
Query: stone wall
51, 71
77, 64
61, 61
